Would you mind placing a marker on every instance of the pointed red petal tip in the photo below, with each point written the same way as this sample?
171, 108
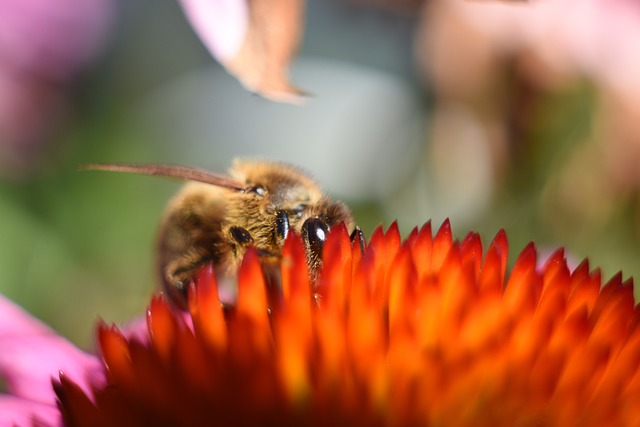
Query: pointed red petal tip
206, 287
392, 236
501, 245
387, 243
554, 260
492, 273
252, 295
295, 274
115, 351
526, 261
75, 406
554, 265
583, 269
163, 325
441, 245
337, 246
203, 296
471, 252
334, 283
413, 235
460, 289
424, 231
206, 309
524, 287
377, 236
422, 247
556, 277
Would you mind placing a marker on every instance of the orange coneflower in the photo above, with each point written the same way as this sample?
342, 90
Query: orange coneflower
426, 331
422, 332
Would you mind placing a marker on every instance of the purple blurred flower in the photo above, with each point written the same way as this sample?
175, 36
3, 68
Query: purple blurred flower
43, 45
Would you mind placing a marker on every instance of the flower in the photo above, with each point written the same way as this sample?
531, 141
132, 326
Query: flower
425, 331
44, 46
30, 355
254, 40
501, 69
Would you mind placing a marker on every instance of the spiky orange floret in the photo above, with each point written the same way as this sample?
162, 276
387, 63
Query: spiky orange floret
424, 331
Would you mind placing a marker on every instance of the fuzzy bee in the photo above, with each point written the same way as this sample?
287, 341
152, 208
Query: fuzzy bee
215, 218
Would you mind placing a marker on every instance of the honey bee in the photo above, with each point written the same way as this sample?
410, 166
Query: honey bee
215, 218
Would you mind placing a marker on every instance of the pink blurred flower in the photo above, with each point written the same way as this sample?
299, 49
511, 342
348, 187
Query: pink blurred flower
31, 355
33, 358
594, 38
497, 61
43, 46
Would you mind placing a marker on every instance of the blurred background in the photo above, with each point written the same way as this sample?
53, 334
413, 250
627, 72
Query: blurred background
514, 115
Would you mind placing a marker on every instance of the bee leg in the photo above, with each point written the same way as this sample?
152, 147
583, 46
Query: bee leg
241, 235
314, 234
282, 225
270, 268
357, 235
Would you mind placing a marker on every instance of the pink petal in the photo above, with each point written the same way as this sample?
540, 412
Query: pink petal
15, 411
31, 354
221, 24
255, 41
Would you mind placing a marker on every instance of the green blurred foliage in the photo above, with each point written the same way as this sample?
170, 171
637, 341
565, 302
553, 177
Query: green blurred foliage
77, 245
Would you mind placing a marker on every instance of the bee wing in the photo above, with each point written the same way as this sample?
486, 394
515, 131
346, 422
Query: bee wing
173, 171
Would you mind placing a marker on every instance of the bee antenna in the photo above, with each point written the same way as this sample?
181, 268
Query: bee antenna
171, 171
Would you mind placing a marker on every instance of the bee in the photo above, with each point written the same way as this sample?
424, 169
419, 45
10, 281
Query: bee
214, 218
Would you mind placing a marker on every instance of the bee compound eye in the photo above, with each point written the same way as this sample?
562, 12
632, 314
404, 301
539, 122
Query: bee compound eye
282, 225
314, 233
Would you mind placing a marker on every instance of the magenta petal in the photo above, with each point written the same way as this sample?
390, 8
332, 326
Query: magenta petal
15, 411
31, 354
15, 321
